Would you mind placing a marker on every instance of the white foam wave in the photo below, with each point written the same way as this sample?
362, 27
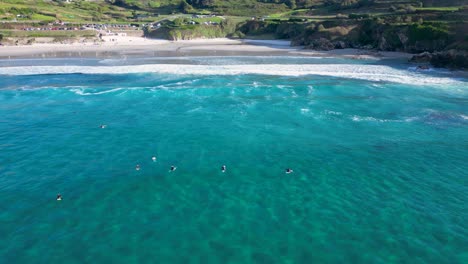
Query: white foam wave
82, 92
356, 118
363, 72
110, 61
196, 109
360, 118
333, 113
411, 119
188, 82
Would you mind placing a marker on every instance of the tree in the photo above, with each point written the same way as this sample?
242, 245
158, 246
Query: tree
206, 3
228, 25
179, 21
410, 9
185, 7
291, 4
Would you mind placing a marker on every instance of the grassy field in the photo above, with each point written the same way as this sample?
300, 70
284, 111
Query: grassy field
47, 33
100, 9
41, 17
442, 8
79, 11
288, 13
207, 19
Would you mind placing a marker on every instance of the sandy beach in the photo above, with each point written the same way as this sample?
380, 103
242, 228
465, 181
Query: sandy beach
126, 45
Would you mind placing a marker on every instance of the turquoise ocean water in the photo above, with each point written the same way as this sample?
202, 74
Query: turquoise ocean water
379, 153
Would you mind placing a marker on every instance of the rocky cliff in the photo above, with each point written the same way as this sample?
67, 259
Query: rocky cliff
446, 45
452, 59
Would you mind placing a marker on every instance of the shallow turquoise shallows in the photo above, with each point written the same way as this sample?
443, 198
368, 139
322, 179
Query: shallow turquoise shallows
379, 154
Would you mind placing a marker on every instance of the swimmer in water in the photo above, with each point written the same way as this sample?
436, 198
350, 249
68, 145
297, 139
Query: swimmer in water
153, 159
103, 126
59, 197
173, 168
137, 167
223, 168
288, 170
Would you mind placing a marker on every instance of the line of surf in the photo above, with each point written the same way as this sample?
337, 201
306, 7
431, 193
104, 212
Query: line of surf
82, 91
377, 73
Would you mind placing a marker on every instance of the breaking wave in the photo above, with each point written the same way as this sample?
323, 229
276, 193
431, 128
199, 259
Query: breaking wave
376, 73
83, 92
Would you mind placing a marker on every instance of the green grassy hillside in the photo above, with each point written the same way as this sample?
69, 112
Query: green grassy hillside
407, 25
404, 25
132, 10
146, 10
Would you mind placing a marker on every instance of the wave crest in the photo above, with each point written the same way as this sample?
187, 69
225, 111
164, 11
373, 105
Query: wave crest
83, 92
377, 73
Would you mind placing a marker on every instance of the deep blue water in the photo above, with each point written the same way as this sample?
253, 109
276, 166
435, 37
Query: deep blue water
379, 154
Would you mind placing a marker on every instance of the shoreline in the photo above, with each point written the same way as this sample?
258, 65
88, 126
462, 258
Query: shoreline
139, 46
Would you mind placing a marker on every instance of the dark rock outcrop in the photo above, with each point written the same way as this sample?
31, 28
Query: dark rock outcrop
423, 67
424, 57
383, 44
322, 44
452, 59
403, 38
340, 45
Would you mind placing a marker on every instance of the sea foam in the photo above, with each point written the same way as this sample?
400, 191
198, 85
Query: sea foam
376, 73
82, 92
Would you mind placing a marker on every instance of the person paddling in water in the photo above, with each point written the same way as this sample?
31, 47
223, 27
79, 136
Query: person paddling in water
173, 168
288, 170
223, 168
59, 197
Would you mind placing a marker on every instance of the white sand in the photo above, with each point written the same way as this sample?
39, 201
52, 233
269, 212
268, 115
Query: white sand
135, 45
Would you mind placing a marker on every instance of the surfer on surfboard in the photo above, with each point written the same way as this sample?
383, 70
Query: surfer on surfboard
288, 170
173, 168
